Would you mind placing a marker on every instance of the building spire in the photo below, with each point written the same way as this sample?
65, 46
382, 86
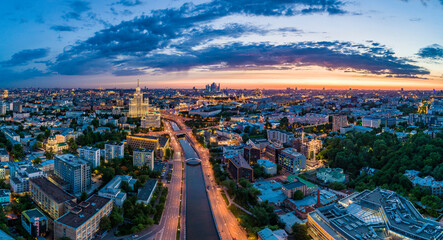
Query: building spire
138, 82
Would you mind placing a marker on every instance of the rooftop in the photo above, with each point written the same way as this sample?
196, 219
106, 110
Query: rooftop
89, 148
3, 152
33, 213
240, 162
294, 185
50, 189
146, 191
83, 211
5, 236
361, 215
143, 150
72, 160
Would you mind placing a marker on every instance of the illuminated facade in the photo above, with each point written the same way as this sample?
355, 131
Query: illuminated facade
138, 107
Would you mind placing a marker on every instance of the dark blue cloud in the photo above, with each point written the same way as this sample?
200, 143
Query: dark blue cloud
25, 56
330, 55
434, 51
63, 28
179, 39
8, 75
128, 72
129, 3
77, 8
165, 41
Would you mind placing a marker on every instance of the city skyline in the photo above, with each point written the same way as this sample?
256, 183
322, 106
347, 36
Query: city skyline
180, 44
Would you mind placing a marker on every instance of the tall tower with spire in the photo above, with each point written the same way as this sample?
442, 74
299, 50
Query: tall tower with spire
138, 107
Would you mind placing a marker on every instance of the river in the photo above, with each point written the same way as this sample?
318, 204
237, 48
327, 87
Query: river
199, 220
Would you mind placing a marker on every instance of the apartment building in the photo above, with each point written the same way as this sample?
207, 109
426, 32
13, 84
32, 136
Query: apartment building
114, 150
90, 154
75, 171
49, 197
143, 157
291, 160
83, 220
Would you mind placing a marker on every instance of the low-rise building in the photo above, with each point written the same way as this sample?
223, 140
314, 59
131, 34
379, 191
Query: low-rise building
289, 219
354, 128
270, 191
270, 167
268, 234
113, 191
157, 144
83, 219
5, 197
5, 236
376, 214
145, 194
372, 122
329, 175
4, 155
152, 119
34, 222
427, 182
20, 183
290, 188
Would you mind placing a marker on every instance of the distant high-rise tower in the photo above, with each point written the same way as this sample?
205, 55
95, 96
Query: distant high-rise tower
339, 121
138, 107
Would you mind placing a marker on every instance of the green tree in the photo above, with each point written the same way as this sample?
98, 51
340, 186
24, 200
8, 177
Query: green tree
300, 231
72, 144
37, 161
116, 216
49, 154
284, 123
298, 195
18, 151
105, 223
431, 201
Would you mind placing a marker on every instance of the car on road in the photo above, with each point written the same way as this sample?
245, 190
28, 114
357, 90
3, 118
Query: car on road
134, 236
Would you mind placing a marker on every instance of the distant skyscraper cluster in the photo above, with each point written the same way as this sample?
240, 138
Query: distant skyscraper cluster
213, 87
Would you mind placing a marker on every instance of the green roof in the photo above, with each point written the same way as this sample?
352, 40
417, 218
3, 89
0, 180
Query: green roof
308, 184
33, 213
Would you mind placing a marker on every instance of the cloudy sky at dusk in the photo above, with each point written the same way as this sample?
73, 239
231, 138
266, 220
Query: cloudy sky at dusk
376, 44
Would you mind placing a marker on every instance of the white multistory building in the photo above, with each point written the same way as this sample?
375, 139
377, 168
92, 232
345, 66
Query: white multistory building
114, 150
90, 154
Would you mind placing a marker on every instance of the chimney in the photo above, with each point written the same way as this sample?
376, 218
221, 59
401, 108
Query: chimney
318, 199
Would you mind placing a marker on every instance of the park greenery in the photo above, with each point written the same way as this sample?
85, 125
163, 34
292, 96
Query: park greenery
90, 138
391, 157
139, 216
300, 231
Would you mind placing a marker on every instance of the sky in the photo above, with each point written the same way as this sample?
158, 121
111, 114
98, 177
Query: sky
333, 44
